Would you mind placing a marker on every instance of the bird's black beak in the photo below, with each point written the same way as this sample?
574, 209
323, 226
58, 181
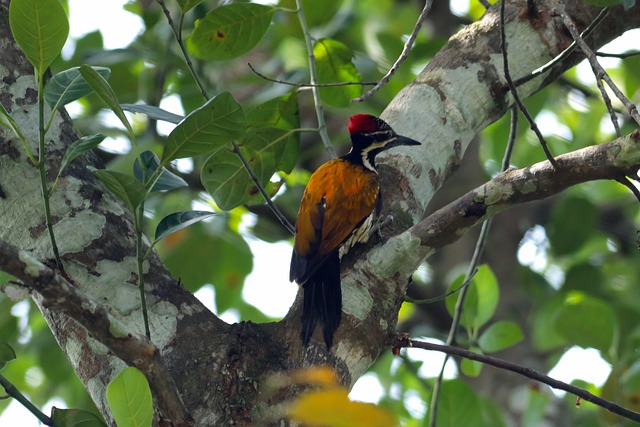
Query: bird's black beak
403, 140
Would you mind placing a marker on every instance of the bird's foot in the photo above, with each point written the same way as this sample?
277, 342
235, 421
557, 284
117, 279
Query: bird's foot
380, 223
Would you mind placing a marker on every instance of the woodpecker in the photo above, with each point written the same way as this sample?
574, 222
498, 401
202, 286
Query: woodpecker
336, 212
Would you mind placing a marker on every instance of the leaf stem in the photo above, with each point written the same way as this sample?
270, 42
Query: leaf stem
138, 216
12, 391
313, 79
46, 194
177, 33
471, 271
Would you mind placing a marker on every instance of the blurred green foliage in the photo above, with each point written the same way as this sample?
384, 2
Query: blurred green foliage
583, 291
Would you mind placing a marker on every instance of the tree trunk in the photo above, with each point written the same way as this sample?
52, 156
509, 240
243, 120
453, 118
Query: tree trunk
220, 370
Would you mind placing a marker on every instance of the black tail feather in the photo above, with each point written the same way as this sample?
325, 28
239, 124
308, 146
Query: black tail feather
323, 301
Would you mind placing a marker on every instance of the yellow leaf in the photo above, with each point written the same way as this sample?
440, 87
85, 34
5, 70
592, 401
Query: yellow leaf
332, 408
322, 376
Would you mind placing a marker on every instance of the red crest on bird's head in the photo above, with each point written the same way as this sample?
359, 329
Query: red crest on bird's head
363, 123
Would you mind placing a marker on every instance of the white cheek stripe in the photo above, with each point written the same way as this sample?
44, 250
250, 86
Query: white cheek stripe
375, 146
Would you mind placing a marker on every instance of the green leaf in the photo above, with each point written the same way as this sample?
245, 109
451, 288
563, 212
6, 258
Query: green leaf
471, 368
80, 147
6, 354
165, 181
187, 5
129, 398
333, 64
106, 93
124, 187
488, 294
69, 85
535, 408
230, 31
458, 406
206, 129
7, 121
224, 176
155, 113
573, 220
179, 220
75, 418
587, 322
499, 336
585, 277
40, 28
280, 113
481, 301
223, 258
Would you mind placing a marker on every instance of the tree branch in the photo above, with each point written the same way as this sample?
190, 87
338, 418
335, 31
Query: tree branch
403, 252
403, 341
135, 350
615, 159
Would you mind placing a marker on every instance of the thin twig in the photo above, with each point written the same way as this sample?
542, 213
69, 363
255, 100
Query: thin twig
599, 72
402, 341
627, 183
443, 296
19, 397
618, 55
514, 92
473, 265
288, 83
236, 149
313, 78
607, 102
177, 33
405, 53
471, 270
564, 54
283, 220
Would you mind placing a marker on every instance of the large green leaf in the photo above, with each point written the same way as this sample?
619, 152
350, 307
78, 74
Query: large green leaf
573, 220
41, 28
223, 258
458, 406
104, 91
187, 5
481, 300
500, 335
587, 322
6, 353
129, 398
206, 129
230, 31
124, 187
75, 418
226, 179
69, 85
280, 113
333, 64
